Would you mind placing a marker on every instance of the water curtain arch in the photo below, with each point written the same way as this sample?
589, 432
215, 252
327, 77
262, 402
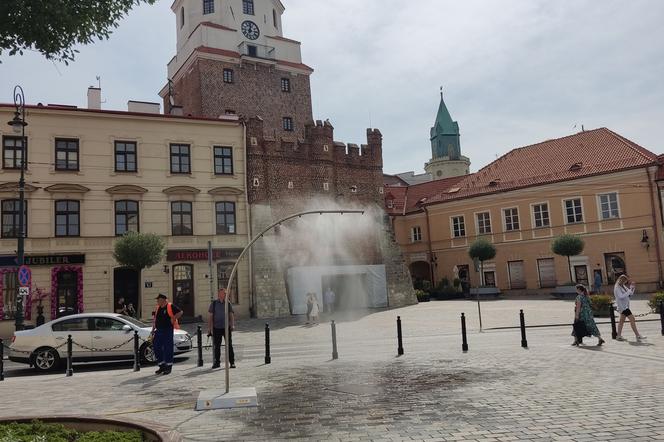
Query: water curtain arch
245, 250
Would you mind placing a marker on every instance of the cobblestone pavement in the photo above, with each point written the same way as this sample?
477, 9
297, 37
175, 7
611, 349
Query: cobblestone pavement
497, 391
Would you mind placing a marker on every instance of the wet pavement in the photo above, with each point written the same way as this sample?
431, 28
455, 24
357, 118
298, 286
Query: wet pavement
497, 391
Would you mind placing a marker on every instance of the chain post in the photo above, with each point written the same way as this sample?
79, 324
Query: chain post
268, 358
70, 370
612, 315
137, 356
2, 360
335, 354
464, 340
199, 336
522, 321
399, 337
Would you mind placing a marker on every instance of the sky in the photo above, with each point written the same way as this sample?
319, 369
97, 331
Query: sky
514, 72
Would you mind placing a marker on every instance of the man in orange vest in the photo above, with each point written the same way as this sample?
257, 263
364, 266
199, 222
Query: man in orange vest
165, 321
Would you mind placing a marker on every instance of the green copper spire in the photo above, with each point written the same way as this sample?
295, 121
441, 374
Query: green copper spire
445, 134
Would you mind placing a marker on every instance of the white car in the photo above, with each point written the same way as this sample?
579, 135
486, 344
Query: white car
96, 337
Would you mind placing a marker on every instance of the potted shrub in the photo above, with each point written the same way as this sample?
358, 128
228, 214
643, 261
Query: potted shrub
655, 300
457, 284
567, 245
422, 296
601, 304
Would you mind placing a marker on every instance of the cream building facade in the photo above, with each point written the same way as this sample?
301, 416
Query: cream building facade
94, 174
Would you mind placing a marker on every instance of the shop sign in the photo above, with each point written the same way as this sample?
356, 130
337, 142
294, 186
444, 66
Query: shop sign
43, 260
201, 254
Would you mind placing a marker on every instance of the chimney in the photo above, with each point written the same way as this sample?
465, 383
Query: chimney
94, 97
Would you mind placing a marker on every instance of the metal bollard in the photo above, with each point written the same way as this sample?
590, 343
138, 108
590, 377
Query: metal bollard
268, 359
70, 370
464, 340
399, 337
335, 354
137, 356
661, 315
522, 321
199, 335
2, 361
612, 315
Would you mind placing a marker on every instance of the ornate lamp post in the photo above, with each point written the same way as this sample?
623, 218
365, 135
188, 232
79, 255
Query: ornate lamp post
18, 125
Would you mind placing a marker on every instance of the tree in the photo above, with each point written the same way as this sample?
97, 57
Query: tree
138, 250
54, 27
482, 250
568, 245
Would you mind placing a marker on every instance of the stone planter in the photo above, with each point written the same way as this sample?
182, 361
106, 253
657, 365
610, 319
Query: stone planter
484, 293
151, 431
564, 292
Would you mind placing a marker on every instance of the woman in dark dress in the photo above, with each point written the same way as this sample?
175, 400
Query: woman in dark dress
583, 317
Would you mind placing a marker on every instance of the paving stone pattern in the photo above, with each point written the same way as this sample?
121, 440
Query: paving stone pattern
497, 391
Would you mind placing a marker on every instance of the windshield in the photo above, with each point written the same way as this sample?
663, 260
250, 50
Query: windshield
134, 321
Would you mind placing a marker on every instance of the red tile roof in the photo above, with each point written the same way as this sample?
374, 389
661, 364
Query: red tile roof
593, 152
412, 197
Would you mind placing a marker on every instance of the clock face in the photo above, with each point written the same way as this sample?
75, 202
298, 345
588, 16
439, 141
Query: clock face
250, 30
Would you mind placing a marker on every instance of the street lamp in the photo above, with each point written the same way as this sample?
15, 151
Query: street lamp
18, 126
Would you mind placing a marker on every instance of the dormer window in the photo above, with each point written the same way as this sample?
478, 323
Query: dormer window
575, 167
208, 7
248, 7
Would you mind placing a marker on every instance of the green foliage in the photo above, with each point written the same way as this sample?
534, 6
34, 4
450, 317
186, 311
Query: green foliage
482, 249
601, 304
40, 431
567, 245
654, 301
55, 27
443, 283
422, 296
138, 250
456, 283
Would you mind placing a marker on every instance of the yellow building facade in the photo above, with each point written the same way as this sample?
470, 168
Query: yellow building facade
93, 175
595, 184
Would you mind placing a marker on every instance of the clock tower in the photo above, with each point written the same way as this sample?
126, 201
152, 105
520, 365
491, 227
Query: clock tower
232, 58
446, 159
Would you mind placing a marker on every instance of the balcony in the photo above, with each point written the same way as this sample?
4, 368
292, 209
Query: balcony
256, 51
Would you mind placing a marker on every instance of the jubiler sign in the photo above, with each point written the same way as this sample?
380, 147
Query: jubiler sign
43, 260
201, 254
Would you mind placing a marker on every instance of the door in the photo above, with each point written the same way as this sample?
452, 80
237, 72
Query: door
67, 294
547, 272
517, 278
490, 278
183, 288
125, 290
581, 274
80, 332
464, 276
108, 333
615, 266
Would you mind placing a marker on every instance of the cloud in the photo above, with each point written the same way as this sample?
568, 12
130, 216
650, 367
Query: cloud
515, 72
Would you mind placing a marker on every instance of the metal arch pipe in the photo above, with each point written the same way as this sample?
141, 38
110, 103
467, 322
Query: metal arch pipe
239, 258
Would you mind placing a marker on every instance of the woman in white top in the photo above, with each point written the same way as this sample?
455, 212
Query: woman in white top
623, 289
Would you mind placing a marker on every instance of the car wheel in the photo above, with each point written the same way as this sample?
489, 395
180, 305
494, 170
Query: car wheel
147, 354
45, 359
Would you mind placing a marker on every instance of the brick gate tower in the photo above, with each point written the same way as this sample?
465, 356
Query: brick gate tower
232, 57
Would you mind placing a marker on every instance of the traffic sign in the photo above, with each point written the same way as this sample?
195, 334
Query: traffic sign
23, 291
24, 276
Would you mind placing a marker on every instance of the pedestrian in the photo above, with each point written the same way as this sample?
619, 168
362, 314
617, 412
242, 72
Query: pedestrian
584, 322
217, 328
165, 321
131, 311
310, 305
122, 307
328, 299
622, 291
597, 284
315, 308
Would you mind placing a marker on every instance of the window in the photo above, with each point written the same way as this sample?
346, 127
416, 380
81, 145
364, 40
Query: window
12, 150
78, 324
573, 211
9, 292
126, 217
274, 18
483, 223
248, 7
541, 215
511, 219
108, 324
67, 218
224, 270
180, 159
609, 205
208, 6
228, 75
225, 218
252, 51
223, 160
458, 227
181, 17
10, 218
416, 234
66, 154
125, 156
181, 218
288, 124
285, 85
326, 186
